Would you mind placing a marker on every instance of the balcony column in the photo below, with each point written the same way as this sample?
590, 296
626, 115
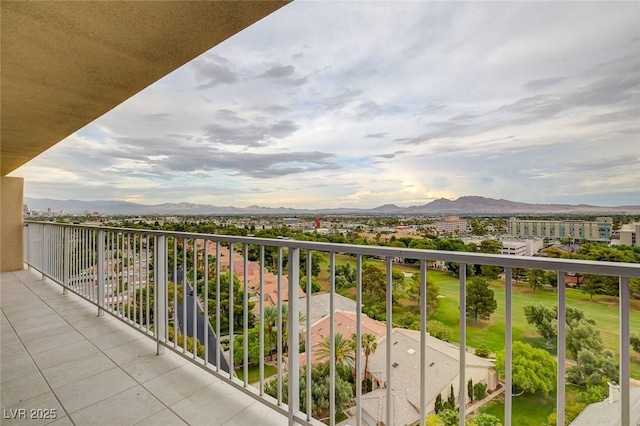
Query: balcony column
11, 224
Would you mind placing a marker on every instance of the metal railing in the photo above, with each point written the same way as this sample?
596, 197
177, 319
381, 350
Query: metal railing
180, 290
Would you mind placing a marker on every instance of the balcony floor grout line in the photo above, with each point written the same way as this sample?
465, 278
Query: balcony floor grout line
29, 353
99, 350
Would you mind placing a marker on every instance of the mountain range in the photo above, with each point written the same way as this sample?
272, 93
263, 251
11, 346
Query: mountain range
463, 205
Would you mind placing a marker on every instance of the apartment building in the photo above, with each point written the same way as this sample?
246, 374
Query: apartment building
629, 234
452, 225
598, 230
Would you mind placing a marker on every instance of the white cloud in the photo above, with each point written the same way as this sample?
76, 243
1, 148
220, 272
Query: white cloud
366, 103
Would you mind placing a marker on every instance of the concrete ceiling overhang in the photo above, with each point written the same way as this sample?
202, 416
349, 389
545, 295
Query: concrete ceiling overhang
66, 63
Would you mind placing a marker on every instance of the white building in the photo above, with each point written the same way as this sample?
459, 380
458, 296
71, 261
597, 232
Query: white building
514, 248
607, 412
629, 234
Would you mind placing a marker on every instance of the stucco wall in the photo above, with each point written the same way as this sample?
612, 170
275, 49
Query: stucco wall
11, 224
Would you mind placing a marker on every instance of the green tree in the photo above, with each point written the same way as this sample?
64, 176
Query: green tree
315, 285
534, 370
536, 278
479, 391
270, 317
470, 389
482, 351
253, 342
490, 246
439, 405
481, 301
484, 419
369, 346
635, 343
433, 291
439, 330
320, 387
238, 302
344, 356
593, 368
374, 283
544, 319
449, 417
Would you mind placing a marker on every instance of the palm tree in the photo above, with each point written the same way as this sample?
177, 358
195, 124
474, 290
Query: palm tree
369, 346
344, 354
270, 318
302, 319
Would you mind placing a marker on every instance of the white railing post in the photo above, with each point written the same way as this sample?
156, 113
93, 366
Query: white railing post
160, 291
463, 341
389, 318
294, 332
508, 355
423, 342
625, 372
562, 326
66, 255
100, 272
42, 249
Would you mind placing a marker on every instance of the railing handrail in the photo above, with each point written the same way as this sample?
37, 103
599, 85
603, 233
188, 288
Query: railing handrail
618, 269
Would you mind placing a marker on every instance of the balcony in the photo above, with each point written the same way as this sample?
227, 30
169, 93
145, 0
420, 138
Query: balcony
104, 318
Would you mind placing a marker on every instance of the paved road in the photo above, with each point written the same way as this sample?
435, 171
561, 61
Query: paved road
200, 321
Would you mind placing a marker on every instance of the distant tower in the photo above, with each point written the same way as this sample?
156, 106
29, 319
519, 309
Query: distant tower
317, 221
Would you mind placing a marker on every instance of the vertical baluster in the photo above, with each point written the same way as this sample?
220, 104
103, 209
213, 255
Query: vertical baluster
625, 372
245, 315
423, 341
231, 306
194, 299
508, 344
261, 301
463, 341
309, 341
360, 377
294, 332
332, 339
279, 322
205, 323
562, 323
218, 315
389, 315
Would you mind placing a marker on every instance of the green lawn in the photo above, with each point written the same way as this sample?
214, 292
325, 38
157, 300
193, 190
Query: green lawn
254, 372
529, 410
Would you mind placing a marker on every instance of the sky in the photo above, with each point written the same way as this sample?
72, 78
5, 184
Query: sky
359, 104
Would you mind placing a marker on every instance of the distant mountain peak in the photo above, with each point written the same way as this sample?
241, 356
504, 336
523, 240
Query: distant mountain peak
468, 204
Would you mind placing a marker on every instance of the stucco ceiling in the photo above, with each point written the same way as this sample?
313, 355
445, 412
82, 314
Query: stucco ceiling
66, 63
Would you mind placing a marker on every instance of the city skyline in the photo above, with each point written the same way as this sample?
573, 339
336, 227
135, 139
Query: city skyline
362, 105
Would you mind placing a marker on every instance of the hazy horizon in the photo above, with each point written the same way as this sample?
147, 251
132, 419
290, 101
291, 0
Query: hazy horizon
326, 105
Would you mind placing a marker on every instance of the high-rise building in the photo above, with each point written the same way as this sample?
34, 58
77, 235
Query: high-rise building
599, 230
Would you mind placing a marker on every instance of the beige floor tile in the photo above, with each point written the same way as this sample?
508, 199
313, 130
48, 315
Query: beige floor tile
131, 350
34, 322
179, 383
63, 354
22, 388
13, 366
152, 366
125, 408
164, 418
85, 392
51, 342
213, 405
90, 365
258, 413
116, 338
44, 331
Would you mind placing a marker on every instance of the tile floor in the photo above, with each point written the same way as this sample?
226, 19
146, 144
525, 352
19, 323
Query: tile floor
58, 357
